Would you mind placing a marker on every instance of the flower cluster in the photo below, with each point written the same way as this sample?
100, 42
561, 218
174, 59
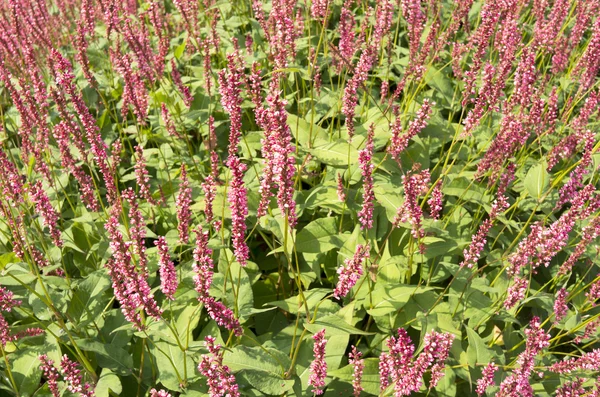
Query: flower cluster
184, 90
278, 152
365, 157
350, 273
50, 373
406, 374
588, 361
203, 268
45, 209
518, 383
560, 305
166, 268
129, 284
73, 378
230, 88
238, 202
350, 99
182, 203
318, 367
487, 378
159, 393
141, 175
435, 201
415, 184
358, 366
219, 379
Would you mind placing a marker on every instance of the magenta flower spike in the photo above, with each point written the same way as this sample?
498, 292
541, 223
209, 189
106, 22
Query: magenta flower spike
50, 373
318, 367
365, 163
487, 378
166, 268
182, 203
221, 382
358, 366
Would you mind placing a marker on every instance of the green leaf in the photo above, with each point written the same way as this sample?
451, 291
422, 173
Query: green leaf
477, 351
335, 325
446, 387
305, 131
25, 367
107, 382
319, 236
338, 153
256, 358
537, 180
438, 80
180, 49
108, 356
294, 304
262, 367
390, 298
7, 258
187, 320
88, 301
266, 383
170, 362
370, 380
245, 301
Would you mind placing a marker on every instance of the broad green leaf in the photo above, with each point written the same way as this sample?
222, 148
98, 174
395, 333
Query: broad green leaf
107, 382
295, 304
180, 49
88, 299
390, 298
303, 131
245, 299
335, 325
446, 386
537, 180
187, 320
171, 364
477, 351
266, 382
338, 153
25, 367
108, 356
256, 358
319, 236
438, 80
7, 258
370, 380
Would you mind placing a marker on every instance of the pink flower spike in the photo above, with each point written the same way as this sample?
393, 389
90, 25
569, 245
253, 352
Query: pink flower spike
351, 271
159, 393
435, 201
358, 366
219, 378
487, 378
168, 274
203, 264
365, 215
318, 367
341, 193
182, 203
518, 383
560, 305
72, 376
238, 202
141, 175
50, 373
184, 90
45, 209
